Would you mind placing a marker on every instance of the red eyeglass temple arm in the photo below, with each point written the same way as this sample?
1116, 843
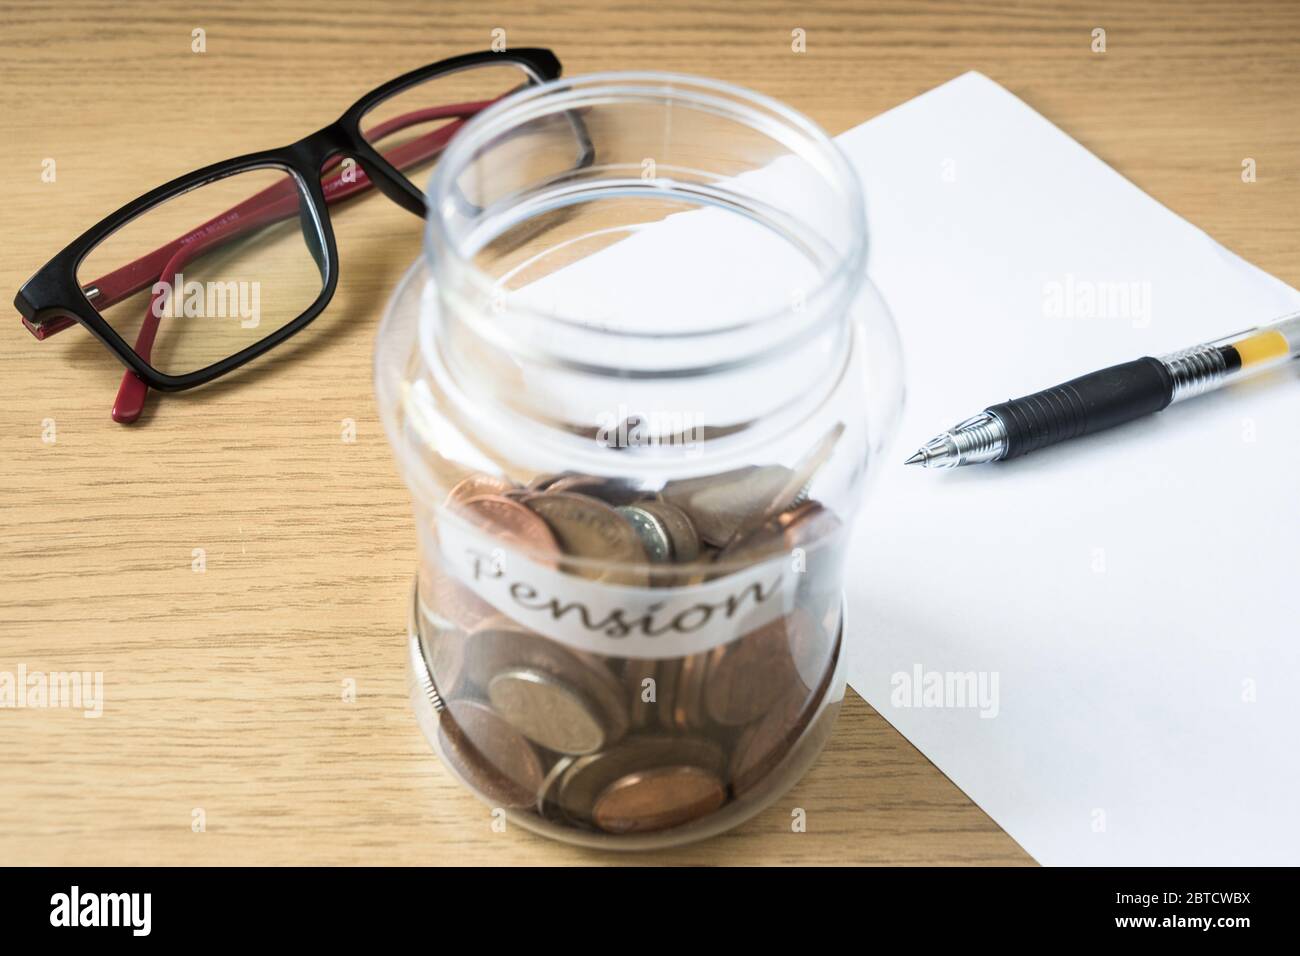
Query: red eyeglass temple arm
262, 209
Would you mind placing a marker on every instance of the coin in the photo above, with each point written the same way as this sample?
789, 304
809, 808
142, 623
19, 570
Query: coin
547, 806
803, 526
563, 681
547, 711
641, 711
651, 531
512, 522
542, 482
812, 527
688, 693
704, 569
667, 676
748, 674
681, 532
455, 602
813, 639
593, 531
612, 491
444, 655
658, 799
794, 489
719, 504
807, 523
764, 744
488, 754
767, 542
588, 777
477, 486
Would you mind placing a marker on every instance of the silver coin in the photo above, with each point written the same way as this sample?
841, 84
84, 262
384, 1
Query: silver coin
681, 531
548, 807
589, 688
651, 531
720, 504
798, 485
547, 711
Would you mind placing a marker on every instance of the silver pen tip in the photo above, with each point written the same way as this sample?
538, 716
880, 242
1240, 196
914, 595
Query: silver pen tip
939, 452
979, 438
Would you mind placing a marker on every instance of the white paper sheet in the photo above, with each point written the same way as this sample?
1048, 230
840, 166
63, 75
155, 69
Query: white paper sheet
1128, 605
1135, 594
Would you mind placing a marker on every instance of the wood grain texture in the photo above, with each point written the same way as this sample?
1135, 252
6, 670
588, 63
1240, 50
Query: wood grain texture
223, 690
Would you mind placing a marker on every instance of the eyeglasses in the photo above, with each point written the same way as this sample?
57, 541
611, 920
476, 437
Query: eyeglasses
201, 275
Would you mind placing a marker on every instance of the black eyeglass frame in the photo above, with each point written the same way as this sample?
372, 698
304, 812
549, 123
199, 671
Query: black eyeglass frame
53, 293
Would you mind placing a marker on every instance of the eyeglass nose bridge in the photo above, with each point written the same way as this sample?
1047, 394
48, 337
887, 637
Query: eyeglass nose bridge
312, 154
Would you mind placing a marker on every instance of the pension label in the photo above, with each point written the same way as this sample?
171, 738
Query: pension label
611, 619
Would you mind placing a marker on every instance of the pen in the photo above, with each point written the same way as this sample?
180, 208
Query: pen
1109, 397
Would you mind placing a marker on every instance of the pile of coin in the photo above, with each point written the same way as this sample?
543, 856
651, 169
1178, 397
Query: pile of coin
622, 745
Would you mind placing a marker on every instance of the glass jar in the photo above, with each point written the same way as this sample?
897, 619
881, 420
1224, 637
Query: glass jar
637, 386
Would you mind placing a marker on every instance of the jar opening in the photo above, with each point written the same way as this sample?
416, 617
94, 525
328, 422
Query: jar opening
539, 233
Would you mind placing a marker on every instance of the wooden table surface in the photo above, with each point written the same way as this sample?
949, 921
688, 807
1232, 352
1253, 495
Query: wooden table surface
223, 690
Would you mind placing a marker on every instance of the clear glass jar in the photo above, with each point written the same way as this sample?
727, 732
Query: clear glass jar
637, 386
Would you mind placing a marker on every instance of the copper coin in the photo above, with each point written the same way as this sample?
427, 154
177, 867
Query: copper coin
807, 524
587, 778
478, 486
813, 638
488, 754
811, 641
804, 526
547, 711
658, 799
456, 603
612, 491
514, 523
667, 676
641, 708
542, 482
688, 693
763, 744
797, 513
591, 530
748, 675
816, 530
681, 532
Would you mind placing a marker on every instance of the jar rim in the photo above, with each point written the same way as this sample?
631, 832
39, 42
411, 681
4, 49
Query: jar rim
827, 298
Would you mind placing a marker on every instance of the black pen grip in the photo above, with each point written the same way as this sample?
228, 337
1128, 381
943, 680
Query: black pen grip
1083, 405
